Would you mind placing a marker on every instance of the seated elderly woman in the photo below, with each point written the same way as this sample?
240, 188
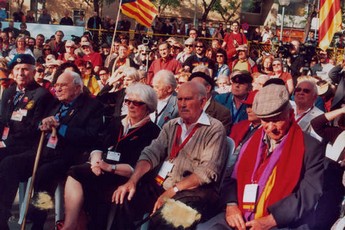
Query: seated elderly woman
94, 182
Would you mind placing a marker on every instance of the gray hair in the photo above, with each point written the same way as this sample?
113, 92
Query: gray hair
312, 83
132, 73
76, 78
167, 77
201, 68
145, 93
201, 89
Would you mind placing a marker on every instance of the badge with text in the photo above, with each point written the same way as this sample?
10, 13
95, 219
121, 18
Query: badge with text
24, 112
52, 142
114, 156
5, 133
2, 144
250, 196
163, 172
17, 116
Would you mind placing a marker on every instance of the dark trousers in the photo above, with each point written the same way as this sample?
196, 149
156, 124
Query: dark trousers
16, 168
131, 212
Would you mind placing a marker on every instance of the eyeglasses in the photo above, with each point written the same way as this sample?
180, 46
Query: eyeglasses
135, 103
298, 89
40, 70
61, 85
199, 46
278, 64
219, 55
188, 45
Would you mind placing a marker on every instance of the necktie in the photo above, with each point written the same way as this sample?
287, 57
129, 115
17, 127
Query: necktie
17, 97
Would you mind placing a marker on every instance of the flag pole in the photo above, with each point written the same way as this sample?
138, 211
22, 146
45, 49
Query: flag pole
116, 22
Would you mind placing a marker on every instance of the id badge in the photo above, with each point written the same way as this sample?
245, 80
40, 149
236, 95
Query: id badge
52, 142
5, 133
114, 156
2, 144
250, 196
17, 116
163, 172
24, 112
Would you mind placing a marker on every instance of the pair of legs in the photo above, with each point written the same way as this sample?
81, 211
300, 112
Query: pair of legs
84, 189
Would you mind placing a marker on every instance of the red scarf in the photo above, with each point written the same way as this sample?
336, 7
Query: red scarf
288, 167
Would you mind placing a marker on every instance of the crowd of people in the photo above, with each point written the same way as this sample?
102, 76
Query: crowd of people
131, 123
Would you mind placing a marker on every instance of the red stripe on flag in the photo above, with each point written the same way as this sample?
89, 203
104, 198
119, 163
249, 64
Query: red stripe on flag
136, 14
148, 5
328, 20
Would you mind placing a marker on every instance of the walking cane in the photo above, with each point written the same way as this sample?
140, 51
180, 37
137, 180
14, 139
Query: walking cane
31, 185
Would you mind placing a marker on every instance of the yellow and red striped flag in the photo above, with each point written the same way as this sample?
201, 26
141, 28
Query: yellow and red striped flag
143, 11
330, 21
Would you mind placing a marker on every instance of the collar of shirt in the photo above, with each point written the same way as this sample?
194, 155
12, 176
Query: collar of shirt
207, 104
272, 144
203, 120
126, 123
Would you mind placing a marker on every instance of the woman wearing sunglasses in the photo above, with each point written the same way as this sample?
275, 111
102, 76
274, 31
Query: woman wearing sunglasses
111, 164
278, 72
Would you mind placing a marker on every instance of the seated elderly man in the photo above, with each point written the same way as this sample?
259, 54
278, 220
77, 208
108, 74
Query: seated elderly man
77, 128
190, 152
305, 95
164, 83
279, 174
240, 88
212, 108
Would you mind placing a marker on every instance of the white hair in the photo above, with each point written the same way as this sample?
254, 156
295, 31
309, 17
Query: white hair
167, 77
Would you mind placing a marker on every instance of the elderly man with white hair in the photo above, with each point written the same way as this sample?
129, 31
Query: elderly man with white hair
305, 95
164, 83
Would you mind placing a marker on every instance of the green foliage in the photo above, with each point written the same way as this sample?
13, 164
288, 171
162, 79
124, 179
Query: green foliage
227, 10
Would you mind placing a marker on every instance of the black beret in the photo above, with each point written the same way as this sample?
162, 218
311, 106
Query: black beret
204, 76
21, 59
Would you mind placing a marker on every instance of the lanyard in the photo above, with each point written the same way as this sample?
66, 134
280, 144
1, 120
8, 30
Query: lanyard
160, 113
176, 147
120, 137
300, 118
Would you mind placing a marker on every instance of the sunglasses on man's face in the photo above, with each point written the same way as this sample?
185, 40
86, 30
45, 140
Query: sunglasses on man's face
298, 89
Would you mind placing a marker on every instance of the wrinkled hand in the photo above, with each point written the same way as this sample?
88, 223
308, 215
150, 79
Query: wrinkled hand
263, 223
96, 169
234, 217
121, 192
48, 123
162, 199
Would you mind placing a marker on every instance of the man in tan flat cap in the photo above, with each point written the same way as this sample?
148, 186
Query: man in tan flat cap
277, 181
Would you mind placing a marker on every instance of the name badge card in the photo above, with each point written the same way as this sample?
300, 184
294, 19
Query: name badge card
5, 133
17, 116
114, 156
52, 142
163, 172
24, 112
2, 144
250, 196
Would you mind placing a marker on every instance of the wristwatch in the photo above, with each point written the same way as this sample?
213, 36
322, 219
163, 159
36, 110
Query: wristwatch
175, 188
113, 168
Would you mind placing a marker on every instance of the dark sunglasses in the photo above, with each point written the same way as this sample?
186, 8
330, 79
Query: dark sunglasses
298, 89
219, 55
188, 45
199, 46
135, 103
40, 70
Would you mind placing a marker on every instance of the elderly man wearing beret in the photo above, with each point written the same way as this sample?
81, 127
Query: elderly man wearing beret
23, 105
278, 177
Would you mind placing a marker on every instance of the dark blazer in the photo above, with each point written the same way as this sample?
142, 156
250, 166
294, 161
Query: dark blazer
82, 122
36, 101
113, 101
221, 113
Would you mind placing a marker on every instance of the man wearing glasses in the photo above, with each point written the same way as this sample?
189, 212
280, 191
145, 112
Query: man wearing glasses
187, 52
199, 58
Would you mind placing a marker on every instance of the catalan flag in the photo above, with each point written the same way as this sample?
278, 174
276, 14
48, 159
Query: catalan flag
330, 21
143, 11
